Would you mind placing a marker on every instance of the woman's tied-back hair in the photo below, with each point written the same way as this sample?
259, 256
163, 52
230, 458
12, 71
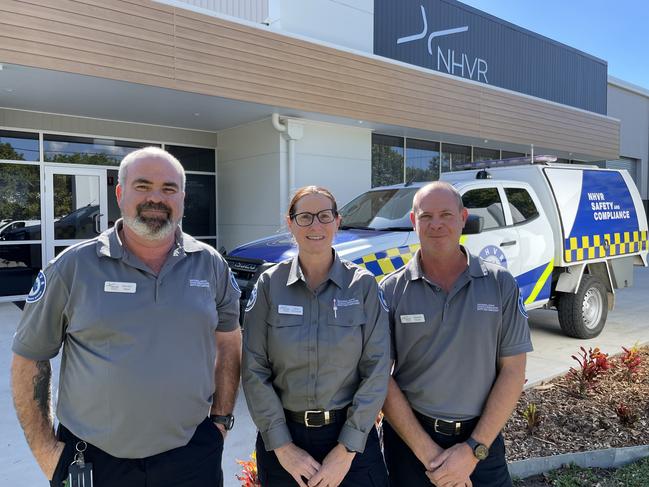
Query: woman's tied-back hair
311, 190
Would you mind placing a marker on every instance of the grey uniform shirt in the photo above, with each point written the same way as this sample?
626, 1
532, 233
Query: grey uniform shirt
446, 345
137, 372
307, 351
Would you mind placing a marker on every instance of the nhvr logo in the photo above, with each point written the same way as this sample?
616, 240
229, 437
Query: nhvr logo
454, 62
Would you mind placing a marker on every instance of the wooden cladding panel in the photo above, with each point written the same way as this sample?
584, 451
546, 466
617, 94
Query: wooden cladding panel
83, 33
115, 11
151, 43
99, 24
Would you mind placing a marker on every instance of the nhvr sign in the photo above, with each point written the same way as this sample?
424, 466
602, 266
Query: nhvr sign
449, 60
451, 37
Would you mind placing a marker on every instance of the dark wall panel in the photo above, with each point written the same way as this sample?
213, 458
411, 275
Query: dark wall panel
448, 36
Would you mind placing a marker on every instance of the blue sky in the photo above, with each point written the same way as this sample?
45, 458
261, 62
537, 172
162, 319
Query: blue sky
616, 31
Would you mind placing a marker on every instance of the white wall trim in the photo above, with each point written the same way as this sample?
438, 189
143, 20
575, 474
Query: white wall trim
625, 85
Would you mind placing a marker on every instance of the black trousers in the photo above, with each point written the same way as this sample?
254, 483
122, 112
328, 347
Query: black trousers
406, 470
197, 464
367, 469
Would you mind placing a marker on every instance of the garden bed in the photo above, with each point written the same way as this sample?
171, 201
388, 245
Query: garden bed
603, 403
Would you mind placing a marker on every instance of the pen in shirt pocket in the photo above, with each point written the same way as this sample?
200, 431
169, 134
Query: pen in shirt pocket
335, 309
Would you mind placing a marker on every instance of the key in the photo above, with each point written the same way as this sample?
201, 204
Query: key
80, 472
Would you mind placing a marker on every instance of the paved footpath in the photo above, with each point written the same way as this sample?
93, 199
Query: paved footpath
626, 325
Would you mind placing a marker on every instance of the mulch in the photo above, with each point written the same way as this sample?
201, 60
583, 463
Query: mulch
613, 413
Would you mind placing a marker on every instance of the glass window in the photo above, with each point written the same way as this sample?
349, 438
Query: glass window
453, 154
482, 154
19, 265
200, 205
194, 158
84, 150
422, 160
20, 202
19, 146
380, 210
627, 163
387, 160
509, 154
485, 202
521, 205
209, 241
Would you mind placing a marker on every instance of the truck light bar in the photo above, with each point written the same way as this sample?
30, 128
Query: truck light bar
512, 161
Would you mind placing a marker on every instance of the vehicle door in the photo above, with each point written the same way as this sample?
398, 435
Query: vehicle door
535, 242
498, 242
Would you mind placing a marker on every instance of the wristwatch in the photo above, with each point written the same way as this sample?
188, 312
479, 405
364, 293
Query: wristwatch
227, 420
480, 450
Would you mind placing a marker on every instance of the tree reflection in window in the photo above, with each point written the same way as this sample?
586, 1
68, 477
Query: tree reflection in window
85, 150
20, 202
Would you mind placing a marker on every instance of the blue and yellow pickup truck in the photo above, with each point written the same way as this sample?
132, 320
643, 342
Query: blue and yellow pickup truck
570, 234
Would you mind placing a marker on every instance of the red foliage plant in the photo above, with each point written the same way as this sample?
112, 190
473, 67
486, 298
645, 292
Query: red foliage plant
248, 477
592, 364
631, 361
626, 414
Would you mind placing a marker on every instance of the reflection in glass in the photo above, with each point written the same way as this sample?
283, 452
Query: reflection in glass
84, 150
19, 146
509, 154
422, 160
521, 205
114, 212
387, 160
194, 158
76, 206
209, 241
454, 154
200, 205
19, 265
485, 202
20, 202
482, 154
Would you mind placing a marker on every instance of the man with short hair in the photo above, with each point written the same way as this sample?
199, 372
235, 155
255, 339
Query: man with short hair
148, 317
459, 342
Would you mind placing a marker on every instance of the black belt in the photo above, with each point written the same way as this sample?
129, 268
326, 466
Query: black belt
448, 428
316, 418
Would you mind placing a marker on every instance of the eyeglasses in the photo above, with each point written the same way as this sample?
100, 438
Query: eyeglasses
305, 218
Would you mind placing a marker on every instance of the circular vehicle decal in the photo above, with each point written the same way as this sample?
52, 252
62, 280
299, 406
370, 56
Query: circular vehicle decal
493, 254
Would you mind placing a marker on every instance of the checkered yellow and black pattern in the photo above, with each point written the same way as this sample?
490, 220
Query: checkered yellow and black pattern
382, 263
607, 245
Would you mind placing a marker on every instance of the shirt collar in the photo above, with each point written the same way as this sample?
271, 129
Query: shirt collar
110, 245
475, 265
336, 272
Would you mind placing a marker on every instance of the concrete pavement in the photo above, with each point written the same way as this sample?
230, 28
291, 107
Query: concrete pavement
626, 325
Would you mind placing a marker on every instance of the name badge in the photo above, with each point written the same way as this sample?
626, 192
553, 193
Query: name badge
285, 309
413, 318
119, 287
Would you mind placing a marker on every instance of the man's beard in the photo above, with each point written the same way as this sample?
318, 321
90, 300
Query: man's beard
151, 228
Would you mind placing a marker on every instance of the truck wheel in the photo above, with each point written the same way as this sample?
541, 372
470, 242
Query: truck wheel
583, 314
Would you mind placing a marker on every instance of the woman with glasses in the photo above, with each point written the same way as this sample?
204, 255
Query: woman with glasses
316, 359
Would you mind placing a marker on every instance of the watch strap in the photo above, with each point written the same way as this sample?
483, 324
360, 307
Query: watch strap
226, 420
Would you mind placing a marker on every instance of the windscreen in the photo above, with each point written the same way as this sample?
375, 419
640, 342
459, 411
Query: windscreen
386, 209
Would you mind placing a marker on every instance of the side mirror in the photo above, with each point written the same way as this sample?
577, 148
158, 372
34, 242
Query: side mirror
473, 225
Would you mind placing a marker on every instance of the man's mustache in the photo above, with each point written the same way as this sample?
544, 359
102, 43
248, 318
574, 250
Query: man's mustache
152, 206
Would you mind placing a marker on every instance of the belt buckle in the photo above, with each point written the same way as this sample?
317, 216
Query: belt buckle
457, 425
306, 418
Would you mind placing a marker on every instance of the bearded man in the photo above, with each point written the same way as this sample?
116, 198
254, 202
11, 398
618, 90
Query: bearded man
148, 320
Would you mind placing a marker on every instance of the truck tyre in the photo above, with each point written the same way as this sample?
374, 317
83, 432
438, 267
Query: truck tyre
583, 314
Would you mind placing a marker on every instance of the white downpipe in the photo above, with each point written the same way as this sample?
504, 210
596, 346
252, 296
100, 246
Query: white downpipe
283, 177
292, 130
